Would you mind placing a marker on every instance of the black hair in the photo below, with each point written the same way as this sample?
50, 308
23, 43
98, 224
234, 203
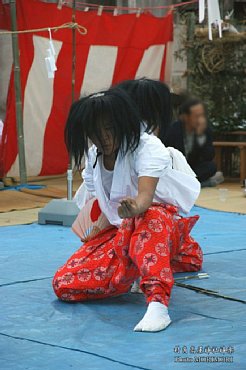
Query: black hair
153, 99
89, 115
186, 106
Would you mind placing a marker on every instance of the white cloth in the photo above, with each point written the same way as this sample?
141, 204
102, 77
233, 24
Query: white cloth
1, 130
82, 196
201, 10
1, 127
213, 16
151, 158
107, 178
180, 162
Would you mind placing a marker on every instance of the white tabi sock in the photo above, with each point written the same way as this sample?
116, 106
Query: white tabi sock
156, 318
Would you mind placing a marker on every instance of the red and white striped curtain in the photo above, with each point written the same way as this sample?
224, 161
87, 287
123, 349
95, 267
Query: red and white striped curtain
115, 48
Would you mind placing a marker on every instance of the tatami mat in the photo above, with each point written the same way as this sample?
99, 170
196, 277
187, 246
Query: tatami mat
26, 198
12, 200
21, 207
24, 217
234, 200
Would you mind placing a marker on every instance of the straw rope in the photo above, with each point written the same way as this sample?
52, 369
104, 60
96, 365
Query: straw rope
72, 25
112, 7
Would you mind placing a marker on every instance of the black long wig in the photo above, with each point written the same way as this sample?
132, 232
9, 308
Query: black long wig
90, 115
153, 99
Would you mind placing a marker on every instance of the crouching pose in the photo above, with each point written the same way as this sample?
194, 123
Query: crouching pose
130, 173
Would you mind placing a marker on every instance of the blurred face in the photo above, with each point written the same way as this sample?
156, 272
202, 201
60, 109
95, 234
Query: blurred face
196, 118
105, 143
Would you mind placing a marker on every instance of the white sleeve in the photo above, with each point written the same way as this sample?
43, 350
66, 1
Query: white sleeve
82, 196
179, 162
87, 173
151, 158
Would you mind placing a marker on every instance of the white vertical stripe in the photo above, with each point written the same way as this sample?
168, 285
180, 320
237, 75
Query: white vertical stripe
201, 10
38, 100
169, 64
151, 62
6, 61
99, 69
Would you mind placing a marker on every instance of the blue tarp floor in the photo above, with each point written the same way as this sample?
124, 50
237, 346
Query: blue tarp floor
39, 332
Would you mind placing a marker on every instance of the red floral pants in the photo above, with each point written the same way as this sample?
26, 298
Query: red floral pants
151, 246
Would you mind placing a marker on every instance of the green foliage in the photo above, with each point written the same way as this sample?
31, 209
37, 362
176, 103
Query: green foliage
218, 77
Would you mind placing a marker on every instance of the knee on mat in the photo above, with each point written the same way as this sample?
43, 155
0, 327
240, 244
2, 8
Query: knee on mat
61, 286
56, 284
67, 294
66, 289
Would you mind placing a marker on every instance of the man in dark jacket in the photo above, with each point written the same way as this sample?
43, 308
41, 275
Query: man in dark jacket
192, 136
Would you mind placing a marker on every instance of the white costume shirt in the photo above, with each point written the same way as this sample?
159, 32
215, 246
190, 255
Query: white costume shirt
151, 158
107, 179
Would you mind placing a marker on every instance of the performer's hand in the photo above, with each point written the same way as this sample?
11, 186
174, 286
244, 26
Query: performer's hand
128, 208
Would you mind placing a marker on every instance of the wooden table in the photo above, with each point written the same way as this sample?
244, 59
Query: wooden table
242, 147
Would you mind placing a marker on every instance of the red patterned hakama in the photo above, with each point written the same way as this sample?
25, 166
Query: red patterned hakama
152, 246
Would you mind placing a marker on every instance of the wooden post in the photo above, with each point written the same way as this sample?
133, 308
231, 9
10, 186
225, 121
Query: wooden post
242, 163
190, 57
218, 157
70, 165
18, 98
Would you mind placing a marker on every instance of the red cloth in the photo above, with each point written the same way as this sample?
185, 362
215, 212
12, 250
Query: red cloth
153, 246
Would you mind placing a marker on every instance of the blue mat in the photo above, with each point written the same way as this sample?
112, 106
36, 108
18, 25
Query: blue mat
24, 186
39, 332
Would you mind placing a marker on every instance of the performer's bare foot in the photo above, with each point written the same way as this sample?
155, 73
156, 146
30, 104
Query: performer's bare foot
155, 319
